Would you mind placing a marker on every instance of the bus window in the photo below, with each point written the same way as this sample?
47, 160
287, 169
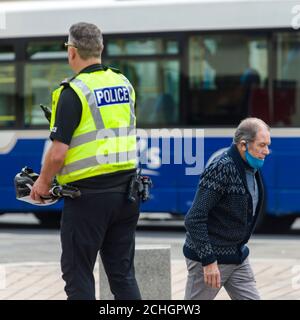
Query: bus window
155, 78
43, 76
226, 73
40, 80
157, 94
286, 88
128, 47
46, 50
7, 95
7, 53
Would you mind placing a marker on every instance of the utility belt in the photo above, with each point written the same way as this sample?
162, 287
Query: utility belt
119, 189
138, 186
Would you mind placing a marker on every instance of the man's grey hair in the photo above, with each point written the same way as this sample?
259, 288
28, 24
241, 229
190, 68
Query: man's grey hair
248, 129
87, 38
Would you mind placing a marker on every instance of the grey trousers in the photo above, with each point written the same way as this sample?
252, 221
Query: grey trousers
238, 281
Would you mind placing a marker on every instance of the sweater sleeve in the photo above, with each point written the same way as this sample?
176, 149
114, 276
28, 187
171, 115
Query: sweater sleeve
211, 189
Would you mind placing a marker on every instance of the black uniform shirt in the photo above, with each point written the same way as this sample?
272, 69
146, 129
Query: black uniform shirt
67, 119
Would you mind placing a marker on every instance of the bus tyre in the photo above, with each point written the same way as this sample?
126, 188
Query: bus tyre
49, 219
273, 224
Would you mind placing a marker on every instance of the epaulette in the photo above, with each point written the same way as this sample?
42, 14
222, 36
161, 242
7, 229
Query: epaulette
114, 70
65, 82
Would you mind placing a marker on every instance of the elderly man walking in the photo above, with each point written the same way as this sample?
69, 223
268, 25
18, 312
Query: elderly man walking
223, 216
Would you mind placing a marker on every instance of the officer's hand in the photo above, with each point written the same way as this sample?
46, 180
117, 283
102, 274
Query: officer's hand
212, 276
40, 189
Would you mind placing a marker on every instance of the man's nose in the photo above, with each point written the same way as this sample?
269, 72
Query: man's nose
267, 151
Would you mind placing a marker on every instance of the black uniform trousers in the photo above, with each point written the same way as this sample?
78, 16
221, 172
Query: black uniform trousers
105, 223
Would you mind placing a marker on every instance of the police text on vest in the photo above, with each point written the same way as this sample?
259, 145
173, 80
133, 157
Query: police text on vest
111, 95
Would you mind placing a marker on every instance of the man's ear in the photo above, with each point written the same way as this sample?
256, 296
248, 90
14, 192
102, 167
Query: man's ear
244, 145
72, 53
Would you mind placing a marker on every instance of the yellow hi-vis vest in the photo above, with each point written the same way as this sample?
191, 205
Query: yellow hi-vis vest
105, 139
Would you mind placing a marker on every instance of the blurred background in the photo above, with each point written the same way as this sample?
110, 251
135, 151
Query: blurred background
194, 64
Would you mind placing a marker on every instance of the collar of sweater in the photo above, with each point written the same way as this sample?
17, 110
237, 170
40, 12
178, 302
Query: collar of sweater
242, 165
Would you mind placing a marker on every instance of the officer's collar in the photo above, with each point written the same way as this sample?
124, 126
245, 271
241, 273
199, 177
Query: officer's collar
93, 67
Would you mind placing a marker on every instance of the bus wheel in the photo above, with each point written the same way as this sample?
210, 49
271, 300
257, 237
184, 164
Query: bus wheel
273, 224
49, 219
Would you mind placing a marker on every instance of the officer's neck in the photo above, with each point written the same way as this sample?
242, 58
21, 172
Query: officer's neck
82, 64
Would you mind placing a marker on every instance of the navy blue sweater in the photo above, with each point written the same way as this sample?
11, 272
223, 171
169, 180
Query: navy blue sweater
220, 221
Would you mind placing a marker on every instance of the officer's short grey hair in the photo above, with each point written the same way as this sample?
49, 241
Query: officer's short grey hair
248, 129
87, 38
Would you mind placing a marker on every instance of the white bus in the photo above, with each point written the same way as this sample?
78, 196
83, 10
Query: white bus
194, 63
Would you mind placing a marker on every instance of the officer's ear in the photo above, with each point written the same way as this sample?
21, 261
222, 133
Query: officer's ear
72, 53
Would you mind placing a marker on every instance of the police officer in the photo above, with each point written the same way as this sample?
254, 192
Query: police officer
94, 149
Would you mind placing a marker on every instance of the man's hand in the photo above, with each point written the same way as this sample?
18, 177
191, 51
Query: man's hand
54, 161
40, 188
212, 275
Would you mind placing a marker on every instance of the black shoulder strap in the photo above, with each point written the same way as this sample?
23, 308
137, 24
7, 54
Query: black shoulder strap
114, 70
66, 82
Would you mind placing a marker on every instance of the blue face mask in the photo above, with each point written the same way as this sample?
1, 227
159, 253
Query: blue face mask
254, 162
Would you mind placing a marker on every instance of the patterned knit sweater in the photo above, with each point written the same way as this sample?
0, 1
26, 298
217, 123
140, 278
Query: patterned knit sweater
220, 221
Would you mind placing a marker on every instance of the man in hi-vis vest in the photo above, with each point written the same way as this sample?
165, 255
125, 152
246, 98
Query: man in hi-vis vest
94, 149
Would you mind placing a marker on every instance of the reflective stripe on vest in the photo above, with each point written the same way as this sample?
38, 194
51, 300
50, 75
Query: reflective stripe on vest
113, 132
91, 102
104, 150
94, 161
132, 116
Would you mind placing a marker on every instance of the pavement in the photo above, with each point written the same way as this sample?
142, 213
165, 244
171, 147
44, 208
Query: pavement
277, 279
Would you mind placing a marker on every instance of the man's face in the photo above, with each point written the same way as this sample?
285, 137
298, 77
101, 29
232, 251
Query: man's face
72, 52
259, 148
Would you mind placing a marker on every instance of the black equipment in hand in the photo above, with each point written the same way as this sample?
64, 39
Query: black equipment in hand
26, 179
47, 112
